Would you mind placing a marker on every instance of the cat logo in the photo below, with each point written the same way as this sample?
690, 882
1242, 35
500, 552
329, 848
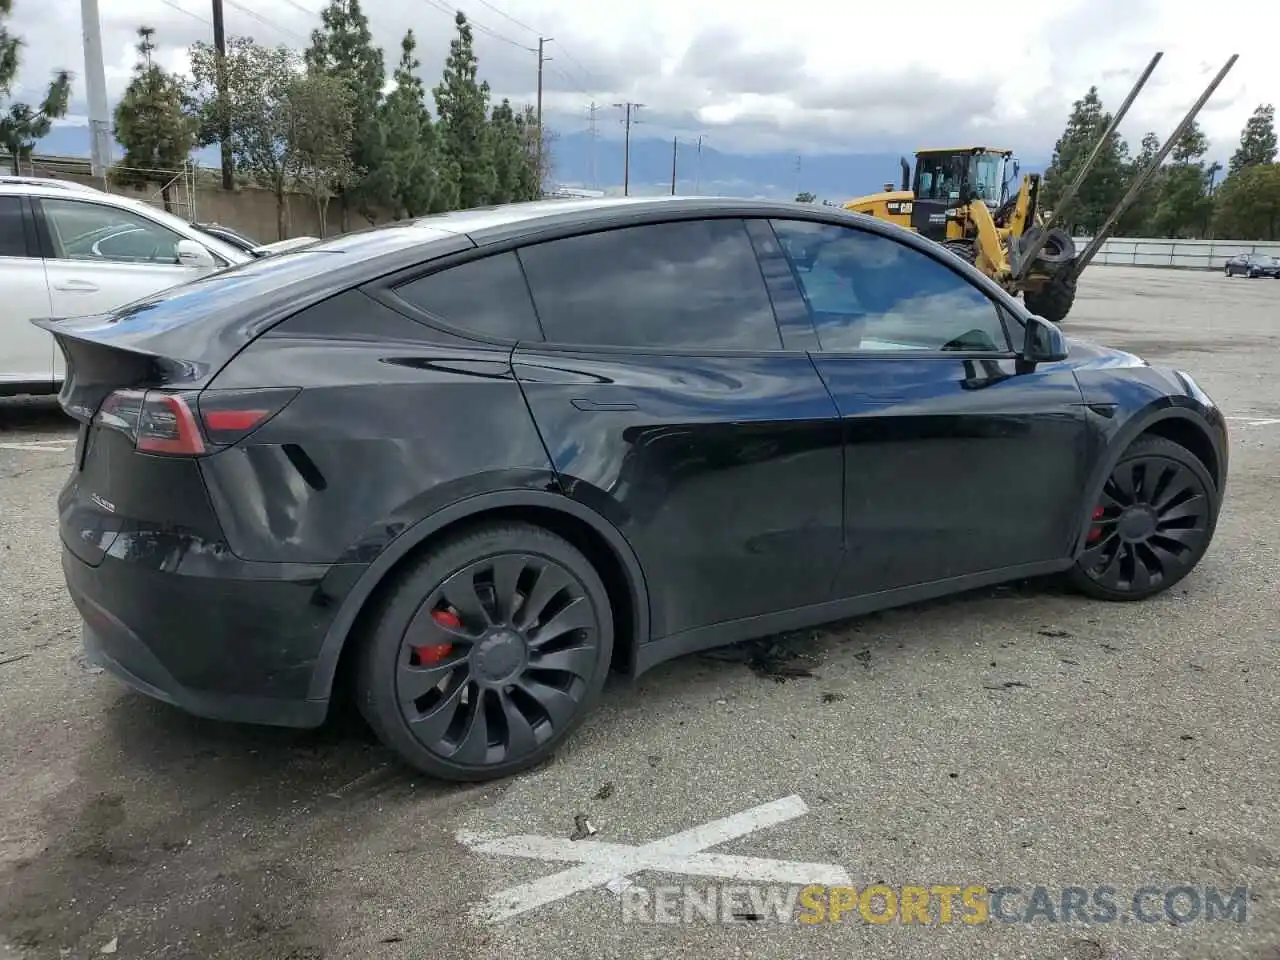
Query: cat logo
953, 213
899, 206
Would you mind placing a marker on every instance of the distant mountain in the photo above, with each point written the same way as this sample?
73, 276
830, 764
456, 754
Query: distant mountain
578, 161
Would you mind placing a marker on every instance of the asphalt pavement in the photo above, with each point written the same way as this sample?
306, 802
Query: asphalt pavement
1020, 737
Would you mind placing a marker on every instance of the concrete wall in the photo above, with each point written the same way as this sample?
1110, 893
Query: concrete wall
1181, 254
250, 210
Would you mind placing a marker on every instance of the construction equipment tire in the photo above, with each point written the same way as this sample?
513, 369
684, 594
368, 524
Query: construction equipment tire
964, 249
1053, 300
1058, 248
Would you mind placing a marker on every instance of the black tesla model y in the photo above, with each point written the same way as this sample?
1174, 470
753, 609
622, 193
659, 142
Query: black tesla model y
468, 464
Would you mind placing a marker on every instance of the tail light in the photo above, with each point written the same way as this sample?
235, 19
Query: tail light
183, 424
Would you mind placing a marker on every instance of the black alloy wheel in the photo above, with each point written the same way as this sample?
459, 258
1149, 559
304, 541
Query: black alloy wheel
488, 654
1152, 524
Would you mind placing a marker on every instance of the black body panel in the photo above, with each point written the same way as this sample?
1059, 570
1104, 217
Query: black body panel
954, 467
723, 473
394, 422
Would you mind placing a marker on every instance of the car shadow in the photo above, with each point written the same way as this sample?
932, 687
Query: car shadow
175, 828
164, 802
26, 415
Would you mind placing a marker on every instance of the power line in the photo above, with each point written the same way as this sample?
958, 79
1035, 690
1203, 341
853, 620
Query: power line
577, 63
265, 22
508, 17
181, 9
444, 7
538, 33
301, 9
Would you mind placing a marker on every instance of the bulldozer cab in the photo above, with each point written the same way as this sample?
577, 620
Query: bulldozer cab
946, 180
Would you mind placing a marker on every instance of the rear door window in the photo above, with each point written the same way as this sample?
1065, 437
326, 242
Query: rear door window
685, 285
488, 297
13, 237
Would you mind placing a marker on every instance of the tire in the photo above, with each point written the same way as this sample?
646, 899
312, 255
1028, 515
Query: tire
506, 664
1059, 247
1053, 300
1143, 541
964, 249
1227, 270
1253, 274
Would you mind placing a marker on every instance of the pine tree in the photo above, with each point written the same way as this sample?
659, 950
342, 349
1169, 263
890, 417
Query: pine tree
1136, 221
1248, 203
410, 138
537, 142
152, 123
1257, 141
1105, 183
344, 47
21, 125
1184, 207
508, 155
462, 106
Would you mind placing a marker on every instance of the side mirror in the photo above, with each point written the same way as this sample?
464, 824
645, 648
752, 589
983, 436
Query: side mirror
1044, 342
192, 254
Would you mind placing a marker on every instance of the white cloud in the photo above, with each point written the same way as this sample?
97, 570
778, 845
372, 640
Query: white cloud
810, 74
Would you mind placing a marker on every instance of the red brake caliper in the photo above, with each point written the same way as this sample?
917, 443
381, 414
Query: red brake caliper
432, 653
1096, 532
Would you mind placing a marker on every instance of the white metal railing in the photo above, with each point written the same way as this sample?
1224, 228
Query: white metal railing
1183, 254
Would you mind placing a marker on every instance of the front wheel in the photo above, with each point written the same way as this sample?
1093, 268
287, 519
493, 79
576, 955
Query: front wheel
487, 653
1151, 525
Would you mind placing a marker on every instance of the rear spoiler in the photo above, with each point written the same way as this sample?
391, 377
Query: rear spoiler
96, 366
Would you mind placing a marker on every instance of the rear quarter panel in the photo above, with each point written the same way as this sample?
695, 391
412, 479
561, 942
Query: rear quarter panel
394, 422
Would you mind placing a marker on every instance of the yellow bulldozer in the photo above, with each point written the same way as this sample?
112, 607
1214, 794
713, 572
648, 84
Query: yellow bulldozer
965, 199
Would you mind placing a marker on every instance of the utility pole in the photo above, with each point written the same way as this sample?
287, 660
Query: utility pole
542, 58
797, 174
674, 146
697, 169
95, 79
591, 128
630, 108
224, 122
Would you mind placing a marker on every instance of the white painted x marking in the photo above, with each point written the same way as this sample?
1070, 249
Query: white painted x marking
1255, 421
679, 853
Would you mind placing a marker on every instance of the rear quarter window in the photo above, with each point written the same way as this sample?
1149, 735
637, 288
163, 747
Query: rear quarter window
488, 297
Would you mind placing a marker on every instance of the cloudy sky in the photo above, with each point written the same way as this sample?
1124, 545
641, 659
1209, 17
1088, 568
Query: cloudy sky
806, 75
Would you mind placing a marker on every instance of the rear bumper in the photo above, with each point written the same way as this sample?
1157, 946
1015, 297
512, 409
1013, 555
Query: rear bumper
224, 647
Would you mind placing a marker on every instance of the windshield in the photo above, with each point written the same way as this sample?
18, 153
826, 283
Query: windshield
985, 176
226, 234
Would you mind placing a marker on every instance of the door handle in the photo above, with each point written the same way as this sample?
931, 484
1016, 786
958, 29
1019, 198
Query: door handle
76, 286
604, 406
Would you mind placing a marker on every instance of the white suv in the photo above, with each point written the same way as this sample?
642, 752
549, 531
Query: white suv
69, 250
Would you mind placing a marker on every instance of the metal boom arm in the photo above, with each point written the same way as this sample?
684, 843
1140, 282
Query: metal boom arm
1028, 256
1145, 176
